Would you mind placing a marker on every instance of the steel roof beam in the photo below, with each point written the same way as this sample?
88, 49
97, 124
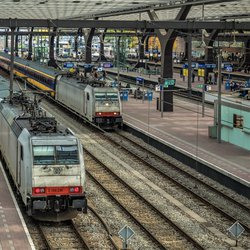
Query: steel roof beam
177, 25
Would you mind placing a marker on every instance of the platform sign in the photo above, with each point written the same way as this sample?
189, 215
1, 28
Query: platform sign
68, 65
210, 66
139, 80
107, 65
225, 65
201, 65
199, 86
229, 69
193, 65
169, 82
88, 66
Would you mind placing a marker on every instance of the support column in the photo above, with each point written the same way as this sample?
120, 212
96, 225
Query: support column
52, 62
102, 54
209, 57
186, 49
6, 46
76, 45
246, 60
88, 45
16, 43
30, 45
189, 38
57, 45
141, 54
147, 43
12, 63
167, 39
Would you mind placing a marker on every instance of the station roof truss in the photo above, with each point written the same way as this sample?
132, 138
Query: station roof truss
120, 10
127, 14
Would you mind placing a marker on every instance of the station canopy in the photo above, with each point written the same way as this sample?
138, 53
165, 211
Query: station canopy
124, 9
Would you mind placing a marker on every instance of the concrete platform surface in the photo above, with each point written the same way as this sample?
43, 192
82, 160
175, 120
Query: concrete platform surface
186, 130
13, 231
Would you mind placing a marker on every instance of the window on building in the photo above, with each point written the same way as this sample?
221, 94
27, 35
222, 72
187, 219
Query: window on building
238, 121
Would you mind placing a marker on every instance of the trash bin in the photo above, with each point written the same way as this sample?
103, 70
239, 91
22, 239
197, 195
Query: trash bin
124, 95
227, 85
149, 95
247, 85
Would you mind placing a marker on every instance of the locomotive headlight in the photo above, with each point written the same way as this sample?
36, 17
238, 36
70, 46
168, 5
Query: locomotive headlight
99, 113
106, 104
115, 113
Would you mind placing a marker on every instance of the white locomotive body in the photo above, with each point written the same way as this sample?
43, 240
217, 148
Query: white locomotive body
99, 104
44, 159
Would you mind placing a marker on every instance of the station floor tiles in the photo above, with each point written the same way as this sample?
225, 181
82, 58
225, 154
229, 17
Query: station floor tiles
186, 129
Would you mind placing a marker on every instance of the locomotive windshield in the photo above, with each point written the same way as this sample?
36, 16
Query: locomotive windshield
106, 96
52, 155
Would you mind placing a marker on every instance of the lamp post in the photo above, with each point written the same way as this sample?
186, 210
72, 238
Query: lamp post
219, 97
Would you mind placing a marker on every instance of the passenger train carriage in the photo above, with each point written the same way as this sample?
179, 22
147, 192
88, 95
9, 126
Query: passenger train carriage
99, 104
44, 159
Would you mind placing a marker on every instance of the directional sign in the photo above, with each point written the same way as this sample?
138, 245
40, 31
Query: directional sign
210, 66
68, 65
199, 86
169, 82
126, 233
139, 80
229, 69
107, 65
236, 229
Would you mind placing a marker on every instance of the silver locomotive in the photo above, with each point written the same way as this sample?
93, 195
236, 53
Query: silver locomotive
44, 159
101, 105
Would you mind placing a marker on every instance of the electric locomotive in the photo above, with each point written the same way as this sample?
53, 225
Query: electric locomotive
99, 104
44, 159
89, 98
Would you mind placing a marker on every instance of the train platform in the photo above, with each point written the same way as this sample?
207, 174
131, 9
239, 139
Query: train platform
186, 132
13, 231
180, 81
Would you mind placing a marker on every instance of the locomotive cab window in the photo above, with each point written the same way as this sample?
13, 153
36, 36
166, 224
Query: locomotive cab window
51, 155
44, 155
67, 154
100, 96
112, 96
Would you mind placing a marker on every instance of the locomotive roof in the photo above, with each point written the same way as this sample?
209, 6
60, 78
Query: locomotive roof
18, 120
83, 85
35, 65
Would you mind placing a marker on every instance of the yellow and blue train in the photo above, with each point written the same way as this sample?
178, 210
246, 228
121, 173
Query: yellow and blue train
100, 105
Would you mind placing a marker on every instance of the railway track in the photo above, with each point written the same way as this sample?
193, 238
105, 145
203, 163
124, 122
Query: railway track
160, 164
63, 235
166, 235
105, 146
